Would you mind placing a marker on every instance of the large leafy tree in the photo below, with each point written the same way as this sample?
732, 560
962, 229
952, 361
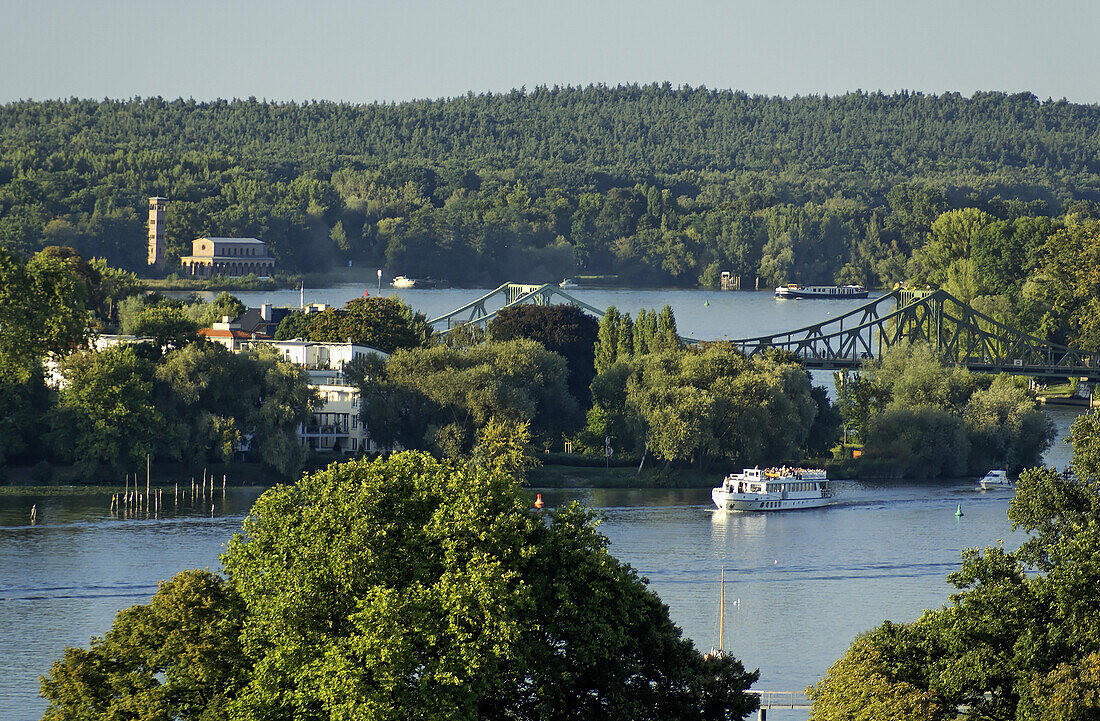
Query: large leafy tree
700, 405
212, 401
383, 323
42, 309
439, 397
564, 329
1061, 299
404, 588
176, 657
105, 412
918, 417
168, 326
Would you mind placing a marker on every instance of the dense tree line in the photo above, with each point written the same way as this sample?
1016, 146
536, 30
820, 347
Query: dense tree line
653, 183
400, 588
917, 418
172, 395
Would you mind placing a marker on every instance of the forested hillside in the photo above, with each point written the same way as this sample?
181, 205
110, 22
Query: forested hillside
656, 184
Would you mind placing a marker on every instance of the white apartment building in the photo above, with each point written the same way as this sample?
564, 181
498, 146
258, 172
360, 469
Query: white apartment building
336, 426
321, 356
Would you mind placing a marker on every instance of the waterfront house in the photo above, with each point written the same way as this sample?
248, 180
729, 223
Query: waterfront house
229, 333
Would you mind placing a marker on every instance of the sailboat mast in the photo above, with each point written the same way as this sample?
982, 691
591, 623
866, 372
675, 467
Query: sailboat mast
722, 612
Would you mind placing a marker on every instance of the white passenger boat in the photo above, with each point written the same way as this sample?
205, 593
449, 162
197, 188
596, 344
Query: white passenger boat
995, 479
797, 290
774, 489
403, 282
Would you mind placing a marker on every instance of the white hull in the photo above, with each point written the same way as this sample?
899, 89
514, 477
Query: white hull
403, 282
821, 291
727, 501
777, 489
994, 480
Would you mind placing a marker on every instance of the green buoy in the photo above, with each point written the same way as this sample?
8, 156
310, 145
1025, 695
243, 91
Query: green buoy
959, 511
706, 302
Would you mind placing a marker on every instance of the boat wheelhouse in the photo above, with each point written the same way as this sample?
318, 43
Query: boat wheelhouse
797, 290
773, 489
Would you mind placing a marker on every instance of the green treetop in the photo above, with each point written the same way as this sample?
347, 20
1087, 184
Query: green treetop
383, 323
403, 588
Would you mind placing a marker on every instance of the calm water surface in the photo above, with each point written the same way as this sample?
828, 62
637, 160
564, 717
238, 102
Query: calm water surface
701, 314
806, 581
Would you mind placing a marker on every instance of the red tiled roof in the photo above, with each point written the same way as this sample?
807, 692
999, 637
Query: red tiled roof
238, 334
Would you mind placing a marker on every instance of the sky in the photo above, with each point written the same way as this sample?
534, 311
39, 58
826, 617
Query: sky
363, 52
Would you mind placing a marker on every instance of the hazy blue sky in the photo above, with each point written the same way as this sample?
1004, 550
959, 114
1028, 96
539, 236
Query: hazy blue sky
368, 51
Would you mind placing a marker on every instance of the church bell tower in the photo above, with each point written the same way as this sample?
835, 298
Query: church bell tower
157, 208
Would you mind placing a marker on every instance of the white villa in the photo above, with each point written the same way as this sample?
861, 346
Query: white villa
336, 426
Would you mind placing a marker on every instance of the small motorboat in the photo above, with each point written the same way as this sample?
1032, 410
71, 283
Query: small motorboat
995, 479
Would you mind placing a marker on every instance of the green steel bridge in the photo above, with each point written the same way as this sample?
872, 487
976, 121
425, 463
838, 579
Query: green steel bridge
483, 310
960, 334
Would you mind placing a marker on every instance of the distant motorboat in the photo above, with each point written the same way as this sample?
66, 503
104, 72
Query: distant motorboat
797, 290
568, 283
403, 281
995, 479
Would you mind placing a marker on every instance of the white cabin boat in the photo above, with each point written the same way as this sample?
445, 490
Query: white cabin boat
403, 282
996, 478
568, 283
774, 489
797, 290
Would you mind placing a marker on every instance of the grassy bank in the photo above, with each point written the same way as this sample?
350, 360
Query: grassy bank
17, 479
220, 283
569, 476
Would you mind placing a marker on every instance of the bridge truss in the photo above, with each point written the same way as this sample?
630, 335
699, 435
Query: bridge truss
483, 310
960, 334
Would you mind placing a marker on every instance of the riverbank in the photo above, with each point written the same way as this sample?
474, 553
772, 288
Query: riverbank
218, 283
568, 476
49, 478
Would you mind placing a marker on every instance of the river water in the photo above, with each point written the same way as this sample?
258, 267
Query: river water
799, 585
700, 314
